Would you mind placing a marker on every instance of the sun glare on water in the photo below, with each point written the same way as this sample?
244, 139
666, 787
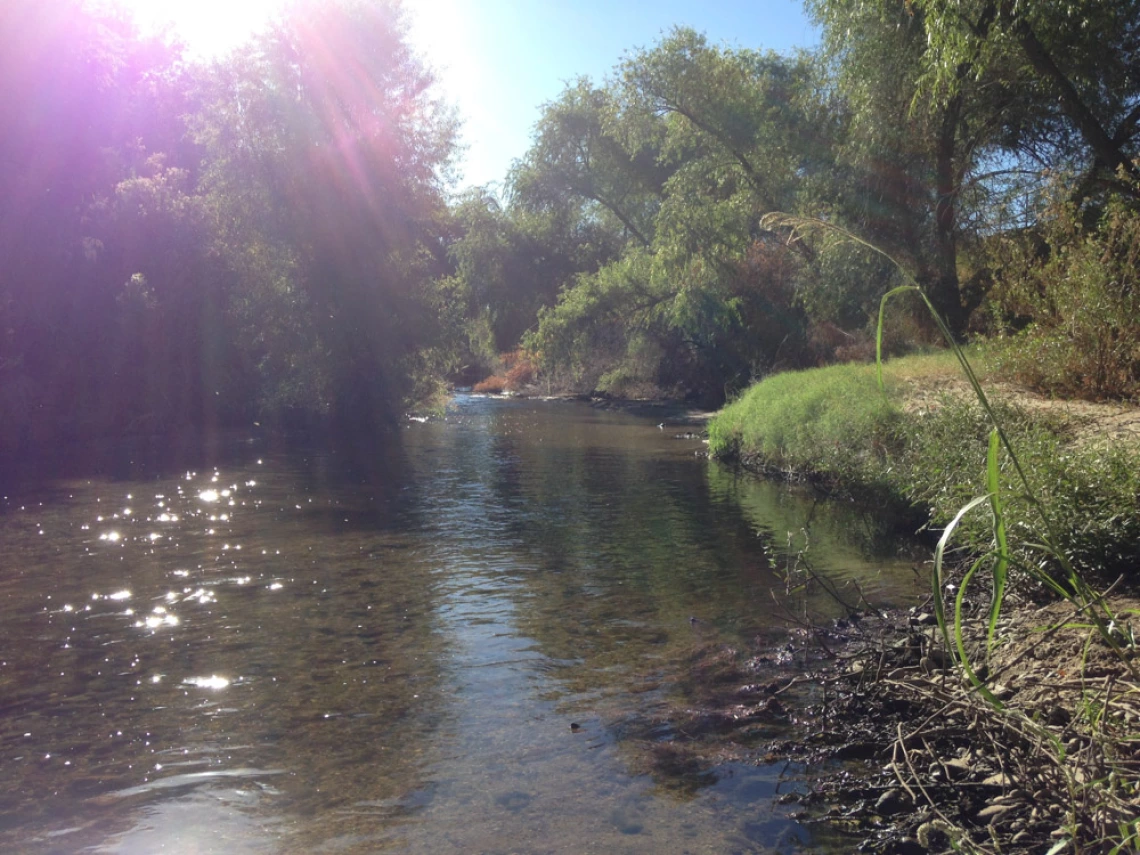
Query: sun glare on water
208, 27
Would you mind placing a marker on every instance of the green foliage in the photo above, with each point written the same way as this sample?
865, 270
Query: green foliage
743, 109
1079, 291
586, 332
510, 263
578, 161
696, 330
1091, 492
847, 287
687, 151
637, 373
1074, 60
329, 208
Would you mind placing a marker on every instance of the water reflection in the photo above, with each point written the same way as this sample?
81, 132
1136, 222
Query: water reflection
312, 652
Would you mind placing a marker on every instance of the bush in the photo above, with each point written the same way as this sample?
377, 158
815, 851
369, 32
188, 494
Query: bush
521, 368
493, 385
1078, 298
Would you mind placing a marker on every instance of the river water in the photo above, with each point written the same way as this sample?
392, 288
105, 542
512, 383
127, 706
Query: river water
286, 652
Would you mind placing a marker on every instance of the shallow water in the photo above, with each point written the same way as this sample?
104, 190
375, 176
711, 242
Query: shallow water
289, 652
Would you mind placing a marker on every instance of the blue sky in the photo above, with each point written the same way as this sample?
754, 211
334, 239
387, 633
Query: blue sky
498, 61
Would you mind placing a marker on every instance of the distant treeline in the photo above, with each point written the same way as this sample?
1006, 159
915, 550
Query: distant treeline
269, 237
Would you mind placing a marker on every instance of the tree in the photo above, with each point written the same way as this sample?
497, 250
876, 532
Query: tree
576, 157
909, 158
186, 246
512, 261
89, 109
327, 150
701, 299
1084, 55
740, 107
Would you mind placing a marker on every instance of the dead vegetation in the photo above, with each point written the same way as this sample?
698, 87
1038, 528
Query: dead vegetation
910, 758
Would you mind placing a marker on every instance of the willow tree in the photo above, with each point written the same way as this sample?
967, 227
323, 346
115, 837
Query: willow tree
576, 157
1080, 58
700, 301
909, 157
327, 150
742, 107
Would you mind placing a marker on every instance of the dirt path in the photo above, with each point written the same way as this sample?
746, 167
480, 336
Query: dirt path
1089, 421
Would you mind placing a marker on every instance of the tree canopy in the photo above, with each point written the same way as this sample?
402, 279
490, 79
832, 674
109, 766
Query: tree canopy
930, 130
272, 237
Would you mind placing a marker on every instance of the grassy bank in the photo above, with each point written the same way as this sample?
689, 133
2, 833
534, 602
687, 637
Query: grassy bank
923, 440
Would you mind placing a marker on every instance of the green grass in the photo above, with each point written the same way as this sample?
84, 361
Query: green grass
834, 422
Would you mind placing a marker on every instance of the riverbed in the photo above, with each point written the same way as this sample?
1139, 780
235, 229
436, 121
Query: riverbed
465, 639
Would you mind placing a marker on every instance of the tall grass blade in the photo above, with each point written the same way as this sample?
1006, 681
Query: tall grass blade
939, 558
1001, 563
901, 289
959, 641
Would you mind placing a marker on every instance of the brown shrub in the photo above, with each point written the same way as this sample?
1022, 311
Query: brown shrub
493, 385
521, 370
518, 370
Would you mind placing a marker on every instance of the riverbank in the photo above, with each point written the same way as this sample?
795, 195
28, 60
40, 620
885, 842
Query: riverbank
902, 756
1044, 758
923, 440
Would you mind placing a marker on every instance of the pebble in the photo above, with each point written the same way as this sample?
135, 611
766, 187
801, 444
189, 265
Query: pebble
999, 780
890, 803
993, 811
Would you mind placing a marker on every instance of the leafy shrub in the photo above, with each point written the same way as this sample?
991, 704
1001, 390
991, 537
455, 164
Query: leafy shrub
1080, 296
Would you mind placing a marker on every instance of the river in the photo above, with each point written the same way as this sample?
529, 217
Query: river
469, 644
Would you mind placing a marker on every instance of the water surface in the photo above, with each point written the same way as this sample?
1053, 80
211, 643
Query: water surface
291, 652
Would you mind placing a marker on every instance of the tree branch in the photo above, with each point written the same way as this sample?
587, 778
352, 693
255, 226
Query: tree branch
1127, 128
1105, 148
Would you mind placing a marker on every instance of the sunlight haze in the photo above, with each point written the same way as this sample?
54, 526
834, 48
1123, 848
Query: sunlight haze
208, 27
498, 61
